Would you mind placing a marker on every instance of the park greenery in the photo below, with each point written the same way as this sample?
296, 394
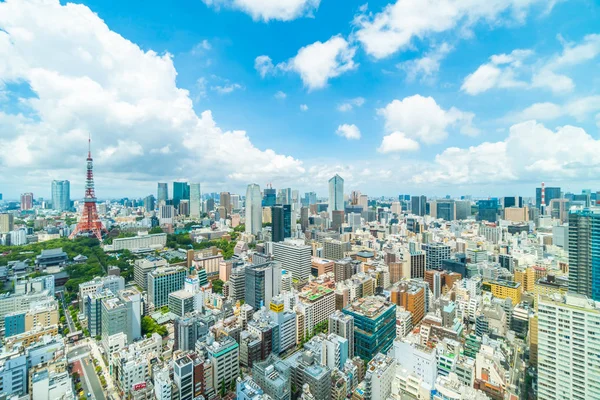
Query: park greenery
149, 326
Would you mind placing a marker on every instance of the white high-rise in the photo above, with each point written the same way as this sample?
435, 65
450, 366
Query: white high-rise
568, 348
336, 194
195, 200
253, 209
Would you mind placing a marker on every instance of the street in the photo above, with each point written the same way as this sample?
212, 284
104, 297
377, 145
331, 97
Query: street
83, 365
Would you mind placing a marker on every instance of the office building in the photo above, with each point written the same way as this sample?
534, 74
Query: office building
418, 205
6, 223
295, 258
93, 310
181, 191
336, 195
181, 302
225, 358
114, 321
374, 325
277, 226
550, 193
253, 209
162, 194
143, 267
61, 195
446, 210
463, 209
568, 348
225, 202
435, 253
513, 201
286, 320
412, 297
269, 197
195, 200
26, 201
487, 210
343, 325
262, 283
161, 282
149, 203
309, 199
504, 289
274, 377
183, 377
315, 305
584, 252
13, 374
304, 218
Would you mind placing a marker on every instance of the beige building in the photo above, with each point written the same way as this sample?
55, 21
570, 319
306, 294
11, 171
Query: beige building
42, 316
516, 214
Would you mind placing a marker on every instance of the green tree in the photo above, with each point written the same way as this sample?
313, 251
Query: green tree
156, 229
217, 286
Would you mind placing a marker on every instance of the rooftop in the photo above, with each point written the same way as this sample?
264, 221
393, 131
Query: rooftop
315, 293
370, 307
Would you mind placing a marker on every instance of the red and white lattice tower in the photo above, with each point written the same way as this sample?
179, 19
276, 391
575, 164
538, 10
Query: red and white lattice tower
89, 224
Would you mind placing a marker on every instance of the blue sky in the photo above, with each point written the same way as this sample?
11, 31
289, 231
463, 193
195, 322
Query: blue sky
436, 97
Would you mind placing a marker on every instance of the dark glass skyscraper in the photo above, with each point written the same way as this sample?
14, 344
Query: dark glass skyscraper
277, 230
163, 193
287, 220
488, 210
181, 191
418, 205
269, 197
513, 201
549, 194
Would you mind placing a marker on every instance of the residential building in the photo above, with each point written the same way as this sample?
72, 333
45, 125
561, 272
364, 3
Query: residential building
315, 304
584, 252
343, 325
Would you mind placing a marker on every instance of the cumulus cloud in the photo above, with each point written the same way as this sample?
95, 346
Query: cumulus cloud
316, 63
303, 107
422, 119
88, 79
350, 104
427, 66
267, 10
531, 152
510, 70
350, 132
396, 142
579, 109
394, 28
280, 95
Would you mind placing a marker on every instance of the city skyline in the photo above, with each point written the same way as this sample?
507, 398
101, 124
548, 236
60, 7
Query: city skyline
446, 106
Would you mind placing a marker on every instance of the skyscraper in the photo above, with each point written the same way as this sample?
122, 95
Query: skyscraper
418, 205
446, 210
163, 193
287, 220
195, 200
149, 203
225, 202
61, 195
181, 191
336, 194
277, 229
488, 210
263, 282
549, 194
584, 252
26, 201
253, 209
270, 197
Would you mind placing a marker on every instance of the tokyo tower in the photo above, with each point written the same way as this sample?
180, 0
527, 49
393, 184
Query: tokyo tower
89, 224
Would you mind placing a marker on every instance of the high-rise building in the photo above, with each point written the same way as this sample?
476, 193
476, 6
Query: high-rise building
381, 372
310, 198
584, 252
513, 201
304, 218
374, 325
26, 201
435, 253
463, 209
549, 194
161, 282
287, 220
253, 209
343, 325
224, 355
162, 194
181, 191
183, 376
269, 197
61, 195
149, 203
273, 376
418, 205
277, 226
568, 348
195, 200
225, 202
488, 210
294, 258
262, 283
6, 223
336, 194
337, 219
446, 210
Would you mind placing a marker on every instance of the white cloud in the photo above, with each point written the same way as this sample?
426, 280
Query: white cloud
143, 126
303, 107
421, 118
350, 104
579, 109
280, 95
427, 66
396, 142
500, 72
395, 27
503, 71
350, 132
531, 152
315, 63
267, 10
227, 88
264, 65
